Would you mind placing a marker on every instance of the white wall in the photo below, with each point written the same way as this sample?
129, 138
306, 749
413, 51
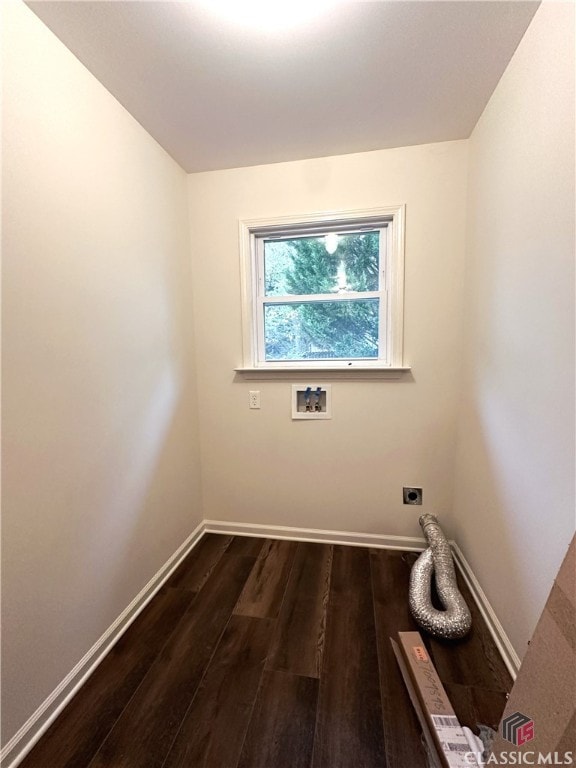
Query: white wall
100, 453
347, 473
514, 494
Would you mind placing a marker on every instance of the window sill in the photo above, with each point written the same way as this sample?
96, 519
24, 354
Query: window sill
297, 373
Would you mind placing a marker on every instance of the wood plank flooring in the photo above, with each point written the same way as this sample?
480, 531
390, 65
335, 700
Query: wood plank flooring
349, 715
270, 654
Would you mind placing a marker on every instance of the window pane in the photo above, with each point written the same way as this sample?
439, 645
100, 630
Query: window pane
304, 265
322, 330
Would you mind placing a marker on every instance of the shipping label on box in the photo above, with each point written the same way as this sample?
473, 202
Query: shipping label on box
453, 741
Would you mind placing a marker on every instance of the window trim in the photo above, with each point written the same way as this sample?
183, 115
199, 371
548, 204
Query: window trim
392, 217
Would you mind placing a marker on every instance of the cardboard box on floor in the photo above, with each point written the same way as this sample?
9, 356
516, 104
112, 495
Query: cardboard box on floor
447, 743
545, 689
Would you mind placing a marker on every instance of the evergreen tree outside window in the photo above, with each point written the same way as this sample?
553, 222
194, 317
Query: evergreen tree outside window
325, 292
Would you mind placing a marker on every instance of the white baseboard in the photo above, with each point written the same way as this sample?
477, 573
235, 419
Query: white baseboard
22, 742
318, 535
509, 655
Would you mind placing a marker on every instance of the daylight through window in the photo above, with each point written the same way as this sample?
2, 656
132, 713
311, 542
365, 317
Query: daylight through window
324, 292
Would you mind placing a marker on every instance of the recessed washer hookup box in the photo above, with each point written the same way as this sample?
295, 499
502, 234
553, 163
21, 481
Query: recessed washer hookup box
446, 740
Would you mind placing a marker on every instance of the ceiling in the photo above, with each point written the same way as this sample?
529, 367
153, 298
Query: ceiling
362, 76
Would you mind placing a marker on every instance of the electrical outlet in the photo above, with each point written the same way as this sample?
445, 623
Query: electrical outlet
254, 398
412, 496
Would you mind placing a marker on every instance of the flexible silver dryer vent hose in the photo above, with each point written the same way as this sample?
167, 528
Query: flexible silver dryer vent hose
455, 620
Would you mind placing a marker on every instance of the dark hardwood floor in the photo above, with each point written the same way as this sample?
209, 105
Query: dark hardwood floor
270, 654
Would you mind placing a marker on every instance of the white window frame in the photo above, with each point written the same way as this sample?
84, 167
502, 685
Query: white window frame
391, 222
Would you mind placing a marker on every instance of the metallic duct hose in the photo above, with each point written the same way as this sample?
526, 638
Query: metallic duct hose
455, 621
